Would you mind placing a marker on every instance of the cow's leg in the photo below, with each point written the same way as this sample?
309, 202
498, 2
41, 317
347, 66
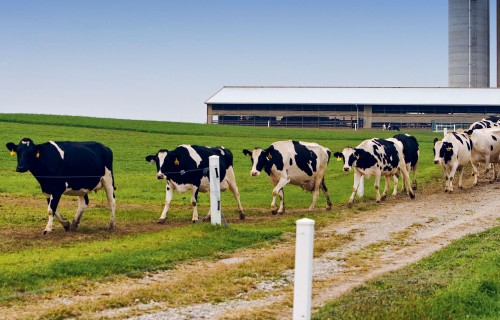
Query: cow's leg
451, 176
395, 179
460, 172
406, 181
83, 201
355, 186
475, 171
315, 193
377, 185
231, 180
194, 202
52, 211
414, 184
109, 188
386, 187
325, 193
281, 209
169, 191
280, 185
274, 209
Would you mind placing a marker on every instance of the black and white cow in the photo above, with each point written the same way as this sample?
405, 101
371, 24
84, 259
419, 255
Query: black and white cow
485, 149
490, 122
393, 128
71, 168
186, 168
453, 153
411, 154
299, 163
376, 157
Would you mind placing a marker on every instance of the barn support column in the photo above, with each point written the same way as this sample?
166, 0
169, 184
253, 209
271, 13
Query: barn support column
209, 114
367, 117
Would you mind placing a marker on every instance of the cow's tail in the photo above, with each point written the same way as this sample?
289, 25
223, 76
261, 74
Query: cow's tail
361, 187
108, 162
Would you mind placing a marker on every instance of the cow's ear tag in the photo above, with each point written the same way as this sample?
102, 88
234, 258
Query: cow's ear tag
176, 162
448, 149
38, 154
12, 153
269, 156
339, 158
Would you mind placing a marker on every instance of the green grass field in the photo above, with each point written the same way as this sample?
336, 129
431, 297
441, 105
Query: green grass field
31, 262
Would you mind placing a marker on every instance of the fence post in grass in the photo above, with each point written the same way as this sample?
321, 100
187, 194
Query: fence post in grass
215, 210
302, 289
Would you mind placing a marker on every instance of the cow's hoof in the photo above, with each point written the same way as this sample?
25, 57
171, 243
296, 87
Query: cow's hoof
412, 195
281, 212
47, 231
161, 221
377, 201
194, 221
67, 226
329, 208
349, 204
73, 227
111, 226
274, 212
242, 216
383, 198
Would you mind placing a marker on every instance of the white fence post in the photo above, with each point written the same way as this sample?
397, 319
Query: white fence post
302, 290
445, 131
215, 209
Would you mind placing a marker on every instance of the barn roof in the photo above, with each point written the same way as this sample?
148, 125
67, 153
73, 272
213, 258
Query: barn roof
356, 95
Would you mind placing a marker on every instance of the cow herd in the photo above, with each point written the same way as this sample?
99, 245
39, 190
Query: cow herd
78, 168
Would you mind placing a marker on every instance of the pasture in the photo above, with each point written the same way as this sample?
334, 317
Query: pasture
33, 263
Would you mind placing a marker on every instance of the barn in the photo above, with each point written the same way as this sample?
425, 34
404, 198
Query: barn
361, 107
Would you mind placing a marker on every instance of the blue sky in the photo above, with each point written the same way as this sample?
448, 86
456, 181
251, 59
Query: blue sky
161, 60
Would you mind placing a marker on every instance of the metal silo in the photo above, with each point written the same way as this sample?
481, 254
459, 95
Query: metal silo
468, 47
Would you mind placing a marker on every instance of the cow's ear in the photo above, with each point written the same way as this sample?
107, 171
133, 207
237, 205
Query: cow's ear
338, 155
435, 140
12, 148
247, 152
150, 158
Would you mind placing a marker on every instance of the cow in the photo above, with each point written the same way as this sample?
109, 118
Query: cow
296, 162
490, 122
71, 168
393, 128
411, 154
485, 149
377, 157
186, 168
453, 153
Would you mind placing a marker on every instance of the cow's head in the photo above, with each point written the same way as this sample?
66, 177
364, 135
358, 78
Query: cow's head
159, 160
349, 156
436, 149
260, 158
27, 153
446, 151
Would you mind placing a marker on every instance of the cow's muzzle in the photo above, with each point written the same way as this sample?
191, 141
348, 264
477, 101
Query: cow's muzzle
436, 161
255, 173
347, 168
160, 176
21, 169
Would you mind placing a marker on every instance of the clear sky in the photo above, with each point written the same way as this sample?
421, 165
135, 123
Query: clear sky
162, 59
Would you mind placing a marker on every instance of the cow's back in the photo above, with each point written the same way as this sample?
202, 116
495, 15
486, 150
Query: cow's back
410, 148
308, 157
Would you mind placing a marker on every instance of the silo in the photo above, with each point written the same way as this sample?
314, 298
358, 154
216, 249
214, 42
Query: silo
468, 46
